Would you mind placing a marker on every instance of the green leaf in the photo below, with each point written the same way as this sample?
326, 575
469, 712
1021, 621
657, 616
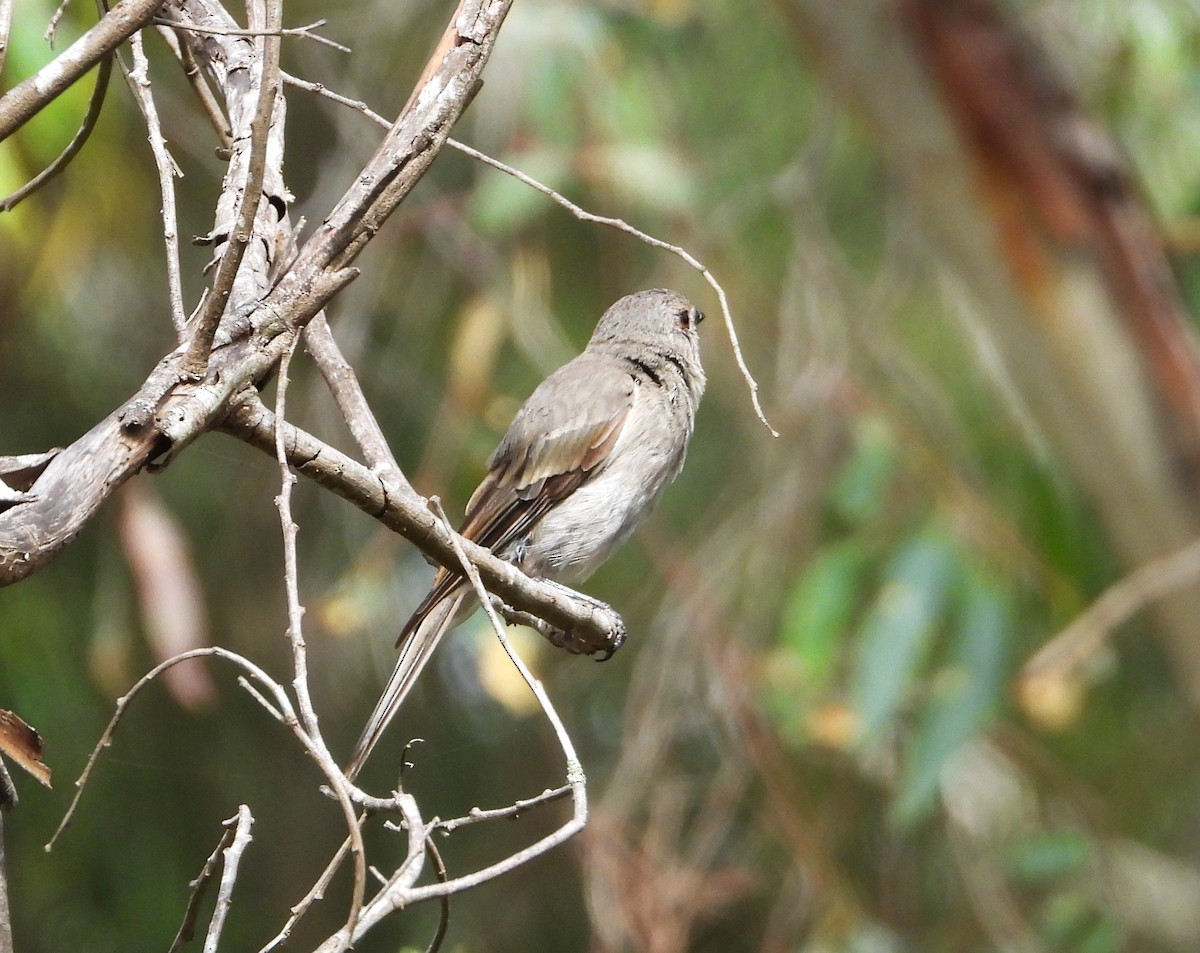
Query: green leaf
821, 606
898, 629
859, 490
964, 694
1049, 856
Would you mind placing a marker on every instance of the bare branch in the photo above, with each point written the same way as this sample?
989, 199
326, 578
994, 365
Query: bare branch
26, 99
302, 31
139, 83
516, 809
241, 822
198, 887
352, 402
168, 412
236, 241
339, 785
405, 512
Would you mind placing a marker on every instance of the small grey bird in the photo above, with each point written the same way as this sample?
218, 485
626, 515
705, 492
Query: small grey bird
583, 461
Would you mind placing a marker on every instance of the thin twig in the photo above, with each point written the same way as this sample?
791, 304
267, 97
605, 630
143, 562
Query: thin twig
439, 869
1069, 650
187, 929
581, 214
241, 822
262, 699
516, 809
195, 77
352, 402
139, 83
321, 89
338, 783
5, 29
82, 134
236, 242
620, 225
301, 31
55, 18
274, 689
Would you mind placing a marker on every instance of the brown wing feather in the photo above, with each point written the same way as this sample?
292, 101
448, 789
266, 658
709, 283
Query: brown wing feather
552, 448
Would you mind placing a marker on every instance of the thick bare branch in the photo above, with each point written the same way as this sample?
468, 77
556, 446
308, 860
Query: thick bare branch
250, 145
400, 509
168, 412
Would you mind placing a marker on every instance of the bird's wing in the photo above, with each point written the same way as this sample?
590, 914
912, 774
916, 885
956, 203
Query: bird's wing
560, 439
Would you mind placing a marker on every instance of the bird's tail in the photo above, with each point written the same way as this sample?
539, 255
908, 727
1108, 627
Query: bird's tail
423, 637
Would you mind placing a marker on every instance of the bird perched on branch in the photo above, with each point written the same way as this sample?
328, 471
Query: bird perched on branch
584, 460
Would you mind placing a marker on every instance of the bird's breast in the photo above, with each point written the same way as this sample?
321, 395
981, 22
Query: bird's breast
571, 541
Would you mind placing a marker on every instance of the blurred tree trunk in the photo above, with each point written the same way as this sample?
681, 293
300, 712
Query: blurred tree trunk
1028, 202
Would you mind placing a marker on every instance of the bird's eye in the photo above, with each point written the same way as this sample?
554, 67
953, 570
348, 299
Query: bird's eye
690, 317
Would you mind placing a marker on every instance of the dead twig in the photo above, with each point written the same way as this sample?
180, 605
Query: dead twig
1062, 657
212, 308
82, 134
241, 823
197, 888
305, 32
339, 785
168, 170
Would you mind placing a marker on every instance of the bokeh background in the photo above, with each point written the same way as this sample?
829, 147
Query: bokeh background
818, 737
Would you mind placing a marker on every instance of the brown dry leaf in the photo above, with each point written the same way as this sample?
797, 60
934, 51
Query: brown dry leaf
169, 592
21, 742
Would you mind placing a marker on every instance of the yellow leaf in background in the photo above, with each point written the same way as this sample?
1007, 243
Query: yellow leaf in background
481, 332
1053, 701
497, 674
833, 725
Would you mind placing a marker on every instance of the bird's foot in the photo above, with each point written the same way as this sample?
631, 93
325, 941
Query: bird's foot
603, 647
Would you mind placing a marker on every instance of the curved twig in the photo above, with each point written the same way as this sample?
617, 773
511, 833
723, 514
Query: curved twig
82, 134
278, 695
